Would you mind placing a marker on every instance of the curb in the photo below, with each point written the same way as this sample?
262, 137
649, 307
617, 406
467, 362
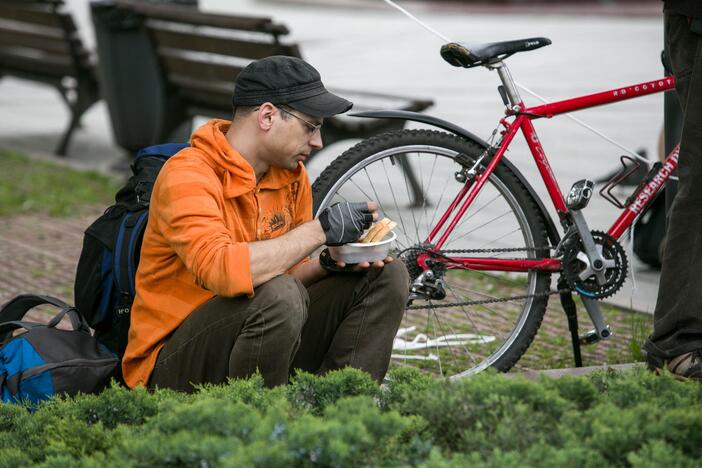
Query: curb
575, 371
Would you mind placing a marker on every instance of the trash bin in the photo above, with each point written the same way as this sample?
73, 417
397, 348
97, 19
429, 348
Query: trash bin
139, 106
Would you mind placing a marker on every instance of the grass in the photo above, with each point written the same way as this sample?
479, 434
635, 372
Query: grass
28, 186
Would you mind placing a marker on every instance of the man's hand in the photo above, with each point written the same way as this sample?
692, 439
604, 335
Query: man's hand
345, 222
365, 265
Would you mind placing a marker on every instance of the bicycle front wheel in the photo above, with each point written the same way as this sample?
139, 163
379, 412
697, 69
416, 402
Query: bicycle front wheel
488, 318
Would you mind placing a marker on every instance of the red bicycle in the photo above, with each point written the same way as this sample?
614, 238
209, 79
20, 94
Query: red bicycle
478, 242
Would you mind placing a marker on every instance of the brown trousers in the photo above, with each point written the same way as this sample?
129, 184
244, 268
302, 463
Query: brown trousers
342, 320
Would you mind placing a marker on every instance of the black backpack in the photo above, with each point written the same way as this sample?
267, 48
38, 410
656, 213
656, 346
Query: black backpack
104, 286
44, 360
649, 233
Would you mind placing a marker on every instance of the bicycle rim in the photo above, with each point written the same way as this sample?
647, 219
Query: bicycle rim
460, 340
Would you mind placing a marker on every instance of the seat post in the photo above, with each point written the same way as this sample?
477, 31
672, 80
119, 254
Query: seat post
507, 82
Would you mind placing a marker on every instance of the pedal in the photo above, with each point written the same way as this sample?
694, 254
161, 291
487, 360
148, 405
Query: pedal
589, 338
580, 194
593, 337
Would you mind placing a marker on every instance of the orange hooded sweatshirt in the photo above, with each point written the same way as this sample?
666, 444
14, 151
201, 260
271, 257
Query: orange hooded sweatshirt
205, 208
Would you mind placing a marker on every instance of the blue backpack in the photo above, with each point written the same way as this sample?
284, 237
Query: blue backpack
104, 285
44, 360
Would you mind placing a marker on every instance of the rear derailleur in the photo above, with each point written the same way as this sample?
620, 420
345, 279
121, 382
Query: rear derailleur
426, 284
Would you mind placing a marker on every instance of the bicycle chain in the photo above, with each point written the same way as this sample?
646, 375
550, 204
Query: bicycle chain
503, 249
486, 301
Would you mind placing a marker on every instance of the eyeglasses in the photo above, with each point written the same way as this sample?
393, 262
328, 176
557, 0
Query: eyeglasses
312, 128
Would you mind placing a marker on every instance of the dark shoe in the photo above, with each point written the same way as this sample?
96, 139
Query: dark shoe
688, 365
654, 363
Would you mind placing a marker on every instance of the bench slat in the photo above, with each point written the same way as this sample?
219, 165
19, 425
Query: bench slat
210, 99
33, 40
216, 103
179, 65
230, 47
39, 2
225, 88
196, 110
42, 15
369, 100
43, 64
188, 15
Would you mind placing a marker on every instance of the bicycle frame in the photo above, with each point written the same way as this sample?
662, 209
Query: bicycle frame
523, 117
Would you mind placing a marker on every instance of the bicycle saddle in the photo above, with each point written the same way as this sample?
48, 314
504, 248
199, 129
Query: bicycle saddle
460, 55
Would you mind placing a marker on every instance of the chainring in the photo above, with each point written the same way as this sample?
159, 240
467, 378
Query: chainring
581, 278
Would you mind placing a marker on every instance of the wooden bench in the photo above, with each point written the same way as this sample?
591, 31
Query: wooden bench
39, 41
201, 54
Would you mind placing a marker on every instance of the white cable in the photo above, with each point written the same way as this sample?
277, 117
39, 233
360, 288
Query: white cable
418, 21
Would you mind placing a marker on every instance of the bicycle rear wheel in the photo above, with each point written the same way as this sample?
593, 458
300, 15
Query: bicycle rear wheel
411, 174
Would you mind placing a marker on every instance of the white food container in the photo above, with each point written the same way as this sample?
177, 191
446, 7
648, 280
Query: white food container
356, 252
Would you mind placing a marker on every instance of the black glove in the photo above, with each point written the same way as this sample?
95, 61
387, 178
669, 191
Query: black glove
345, 222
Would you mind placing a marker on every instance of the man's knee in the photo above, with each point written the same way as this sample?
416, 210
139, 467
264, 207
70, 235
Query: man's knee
393, 281
282, 302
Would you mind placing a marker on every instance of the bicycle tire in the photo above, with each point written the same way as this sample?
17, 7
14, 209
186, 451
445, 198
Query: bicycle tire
346, 177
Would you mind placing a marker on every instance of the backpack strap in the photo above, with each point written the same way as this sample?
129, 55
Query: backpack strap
77, 321
7, 328
14, 310
164, 149
125, 252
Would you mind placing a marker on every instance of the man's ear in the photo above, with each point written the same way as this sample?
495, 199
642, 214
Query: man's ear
266, 112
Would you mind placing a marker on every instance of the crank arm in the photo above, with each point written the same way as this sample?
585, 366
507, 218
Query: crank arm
597, 263
593, 310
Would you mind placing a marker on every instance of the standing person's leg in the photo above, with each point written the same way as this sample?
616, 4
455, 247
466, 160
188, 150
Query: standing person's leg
352, 321
233, 337
677, 334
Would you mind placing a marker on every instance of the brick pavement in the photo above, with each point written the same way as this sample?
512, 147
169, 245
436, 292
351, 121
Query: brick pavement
39, 255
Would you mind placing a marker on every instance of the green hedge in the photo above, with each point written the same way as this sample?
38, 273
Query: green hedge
344, 419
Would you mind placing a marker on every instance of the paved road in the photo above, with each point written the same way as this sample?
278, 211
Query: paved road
378, 49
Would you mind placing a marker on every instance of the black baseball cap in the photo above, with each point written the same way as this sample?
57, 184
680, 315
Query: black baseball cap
287, 80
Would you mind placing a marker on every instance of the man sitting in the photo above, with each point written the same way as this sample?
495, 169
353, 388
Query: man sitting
225, 285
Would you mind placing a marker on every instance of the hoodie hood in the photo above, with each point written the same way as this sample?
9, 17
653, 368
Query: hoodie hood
238, 177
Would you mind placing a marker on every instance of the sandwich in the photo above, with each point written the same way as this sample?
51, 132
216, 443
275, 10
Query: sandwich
378, 231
